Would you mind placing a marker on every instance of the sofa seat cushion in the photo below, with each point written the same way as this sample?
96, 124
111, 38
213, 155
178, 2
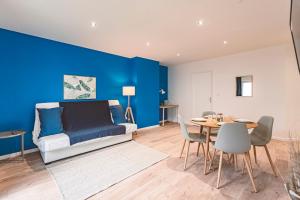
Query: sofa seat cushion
60, 141
129, 127
90, 133
53, 142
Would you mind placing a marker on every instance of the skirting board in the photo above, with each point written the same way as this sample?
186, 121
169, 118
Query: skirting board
18, 153
283, 139
148, 127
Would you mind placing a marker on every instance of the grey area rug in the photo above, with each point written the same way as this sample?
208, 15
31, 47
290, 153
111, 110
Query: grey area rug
85, 175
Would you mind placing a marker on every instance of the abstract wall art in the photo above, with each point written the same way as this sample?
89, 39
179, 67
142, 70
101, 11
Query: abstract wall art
79, 87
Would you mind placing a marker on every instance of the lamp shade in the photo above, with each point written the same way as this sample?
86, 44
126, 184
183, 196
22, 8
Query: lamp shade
128, 90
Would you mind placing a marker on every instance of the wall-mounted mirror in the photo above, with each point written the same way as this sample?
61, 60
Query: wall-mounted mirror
244, 86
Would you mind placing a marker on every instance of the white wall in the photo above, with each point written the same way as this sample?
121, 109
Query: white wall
276, 89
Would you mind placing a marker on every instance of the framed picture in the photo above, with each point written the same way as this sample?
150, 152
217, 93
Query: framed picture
79, 87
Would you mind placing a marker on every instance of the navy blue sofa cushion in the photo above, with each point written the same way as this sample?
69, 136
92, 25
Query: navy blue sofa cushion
82, 115
95, 132
117, 114
51, 122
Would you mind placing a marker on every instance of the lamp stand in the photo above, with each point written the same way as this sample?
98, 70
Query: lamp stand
128, 113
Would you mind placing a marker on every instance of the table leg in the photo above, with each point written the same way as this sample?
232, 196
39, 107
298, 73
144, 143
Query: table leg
177, 115
206, 150
163, 117
22, 146
201, 129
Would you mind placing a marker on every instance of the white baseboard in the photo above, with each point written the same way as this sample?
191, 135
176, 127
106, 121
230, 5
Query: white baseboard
18, 153
283, 139
148, 127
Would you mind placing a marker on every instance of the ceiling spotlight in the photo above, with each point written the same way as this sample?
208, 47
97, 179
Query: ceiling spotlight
200, 22
93, 24
147, 44
225, 42
178, 54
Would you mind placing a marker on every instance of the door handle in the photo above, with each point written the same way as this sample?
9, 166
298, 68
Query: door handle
210, 99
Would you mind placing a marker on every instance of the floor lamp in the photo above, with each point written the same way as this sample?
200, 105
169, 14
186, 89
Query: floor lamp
129, 91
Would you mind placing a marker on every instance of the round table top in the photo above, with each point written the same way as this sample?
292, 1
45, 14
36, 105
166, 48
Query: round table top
9, 134
213, 123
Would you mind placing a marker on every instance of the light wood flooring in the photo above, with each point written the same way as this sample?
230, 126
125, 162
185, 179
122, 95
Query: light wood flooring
165, 180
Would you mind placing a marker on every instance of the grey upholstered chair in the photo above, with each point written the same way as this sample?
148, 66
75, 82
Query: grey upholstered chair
213, 131
261, 136
189, 137
233, 138
206, 113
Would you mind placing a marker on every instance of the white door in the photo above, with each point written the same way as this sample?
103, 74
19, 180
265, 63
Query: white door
201, 93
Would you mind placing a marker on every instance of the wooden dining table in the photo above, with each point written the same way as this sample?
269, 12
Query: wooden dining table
211, 124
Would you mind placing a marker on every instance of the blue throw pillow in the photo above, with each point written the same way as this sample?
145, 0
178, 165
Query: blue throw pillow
117, 114
51, 122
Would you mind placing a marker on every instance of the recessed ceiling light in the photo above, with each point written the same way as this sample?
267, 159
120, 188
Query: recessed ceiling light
93, 24
147, 44
225, 42
200, 22
178, 54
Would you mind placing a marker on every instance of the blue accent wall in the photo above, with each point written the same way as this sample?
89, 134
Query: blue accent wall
146, 102
163, 84
32, 69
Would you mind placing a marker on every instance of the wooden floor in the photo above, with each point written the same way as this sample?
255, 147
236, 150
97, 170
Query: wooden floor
165, 180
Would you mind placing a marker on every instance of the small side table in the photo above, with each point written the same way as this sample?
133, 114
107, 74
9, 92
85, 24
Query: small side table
15, 133
164, 107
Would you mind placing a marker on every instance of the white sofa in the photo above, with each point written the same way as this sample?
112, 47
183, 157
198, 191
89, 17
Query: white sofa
56, 147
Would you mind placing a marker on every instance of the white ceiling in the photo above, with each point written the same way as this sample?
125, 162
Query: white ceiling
124, 27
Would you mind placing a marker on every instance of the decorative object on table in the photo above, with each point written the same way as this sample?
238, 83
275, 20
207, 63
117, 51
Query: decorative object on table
220, 117
85, 175
129, 91
79, 87
166, 102
292, 184
15, 133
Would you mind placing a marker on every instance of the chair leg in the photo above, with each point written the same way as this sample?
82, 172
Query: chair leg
235, 162
182, 149
187, 154
212, 160
243, 170
220, 168
198, 149
249, 172
270, 160
250, 163
254, 153
228, 157
203, 150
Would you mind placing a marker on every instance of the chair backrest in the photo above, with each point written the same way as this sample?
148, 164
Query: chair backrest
233, 138
264, 128
183, 128
206, 113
